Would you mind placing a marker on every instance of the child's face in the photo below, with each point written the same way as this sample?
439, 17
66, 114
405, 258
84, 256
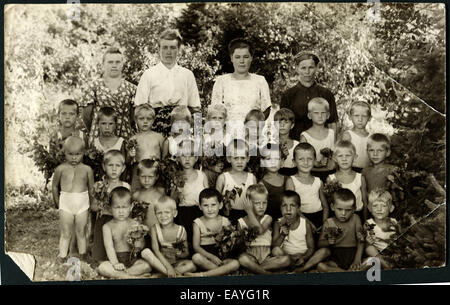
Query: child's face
360, 117
218, 168
165, 214
217, 116
144, 120
259, 202
148, 177
285, 127
121, 207
238, 162
68, 115
74, 154
106, 126
188, 161
289, 208
210, 207
379, 209
343, 210
273, 163
304, 159
377, 152
344, 157
319, 114
114, 167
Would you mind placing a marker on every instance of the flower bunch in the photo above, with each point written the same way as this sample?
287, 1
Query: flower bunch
100, 193
171, 177
333, 233
45, 161
232, 242
326, 152
134, 237
131, 144
230, 196
178, 245
94, 158
329, 188
365, 232
139, 210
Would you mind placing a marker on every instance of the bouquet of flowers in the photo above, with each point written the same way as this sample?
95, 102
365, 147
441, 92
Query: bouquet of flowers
45, 161
232, 242
131, 144
139, 210
326, 152
171, 179
94, 158
333, 233
134, 237
329, 188
230, 196
100, 193
365, 232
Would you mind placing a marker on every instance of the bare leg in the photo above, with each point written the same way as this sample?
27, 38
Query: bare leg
80, 231
185, 266
371, 251
329, 267
229, 265
107, 270
139, 267
317, 257
154, 262
202, 262
250, 263
277, 251
66, 221
276, 263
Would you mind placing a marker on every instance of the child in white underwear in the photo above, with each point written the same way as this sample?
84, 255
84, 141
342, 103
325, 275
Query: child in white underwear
71, 187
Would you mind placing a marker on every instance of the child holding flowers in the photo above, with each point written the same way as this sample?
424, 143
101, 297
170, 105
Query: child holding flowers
123, 239
320, 137
344, 155
204, 242
149, 192
292, 234
380, 229
71, 188
310, 189
286, 121
113, 165
257, 256
235, 182
149, 144
169, 241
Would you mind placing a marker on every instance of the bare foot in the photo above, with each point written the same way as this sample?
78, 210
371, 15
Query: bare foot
194, 274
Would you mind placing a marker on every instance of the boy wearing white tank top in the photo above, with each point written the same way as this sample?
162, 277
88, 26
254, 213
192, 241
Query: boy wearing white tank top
360, 114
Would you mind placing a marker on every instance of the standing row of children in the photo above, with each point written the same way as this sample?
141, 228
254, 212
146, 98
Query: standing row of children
287, 206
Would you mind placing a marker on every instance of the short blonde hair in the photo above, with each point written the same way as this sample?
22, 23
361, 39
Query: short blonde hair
318, 101
73, 140
345, 144
142, 107
216, 108
380, 195
165, 201
112, 154
181, 113
256, 189
360, 104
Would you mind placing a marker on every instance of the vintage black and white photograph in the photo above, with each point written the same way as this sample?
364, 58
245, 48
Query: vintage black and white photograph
184, 140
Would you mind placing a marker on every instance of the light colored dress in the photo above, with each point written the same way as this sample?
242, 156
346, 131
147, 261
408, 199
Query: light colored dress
362, 158
259, 248
318, 145
241, 96
166, 247
355, 187
230, 184
383, 238
207, 237
191, 190
309, 195
160, 86
116, 146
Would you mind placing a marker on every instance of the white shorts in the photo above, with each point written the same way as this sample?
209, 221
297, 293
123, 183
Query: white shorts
74, 203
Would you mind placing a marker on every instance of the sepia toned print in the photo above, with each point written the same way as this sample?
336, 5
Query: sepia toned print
217, 139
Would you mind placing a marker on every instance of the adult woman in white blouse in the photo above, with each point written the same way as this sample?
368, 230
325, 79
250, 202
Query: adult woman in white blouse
241, 91
167, 84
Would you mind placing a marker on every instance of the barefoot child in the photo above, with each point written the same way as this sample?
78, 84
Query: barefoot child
121, 263
149, 192
339, 237
113, 165
343, 156
205, 229
378, 148
149, 143
292, 234
310, 189
360, 114
166, 258
320, 137
71, 188
257, 257
384, 227
236, 177
286, 121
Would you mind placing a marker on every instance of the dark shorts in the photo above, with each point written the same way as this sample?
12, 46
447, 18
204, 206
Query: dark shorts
213, 249
343, 257
126, 258
315, 218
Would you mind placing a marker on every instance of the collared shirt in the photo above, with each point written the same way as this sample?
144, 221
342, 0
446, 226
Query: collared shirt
160, 86
297, 98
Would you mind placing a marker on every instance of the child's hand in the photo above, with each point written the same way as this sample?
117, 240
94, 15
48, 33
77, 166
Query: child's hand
370, 239
248, 206
355, 266
331, 240
119, 267
132, 152
215, 260
323, 162
171, 272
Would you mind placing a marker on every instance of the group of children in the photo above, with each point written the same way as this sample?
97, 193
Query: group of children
287, 206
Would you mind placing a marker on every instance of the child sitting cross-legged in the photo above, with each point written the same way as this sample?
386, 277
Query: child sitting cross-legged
257, 256
383, 226
339, 240
169, 242
121, 263
205, 230
292, 234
